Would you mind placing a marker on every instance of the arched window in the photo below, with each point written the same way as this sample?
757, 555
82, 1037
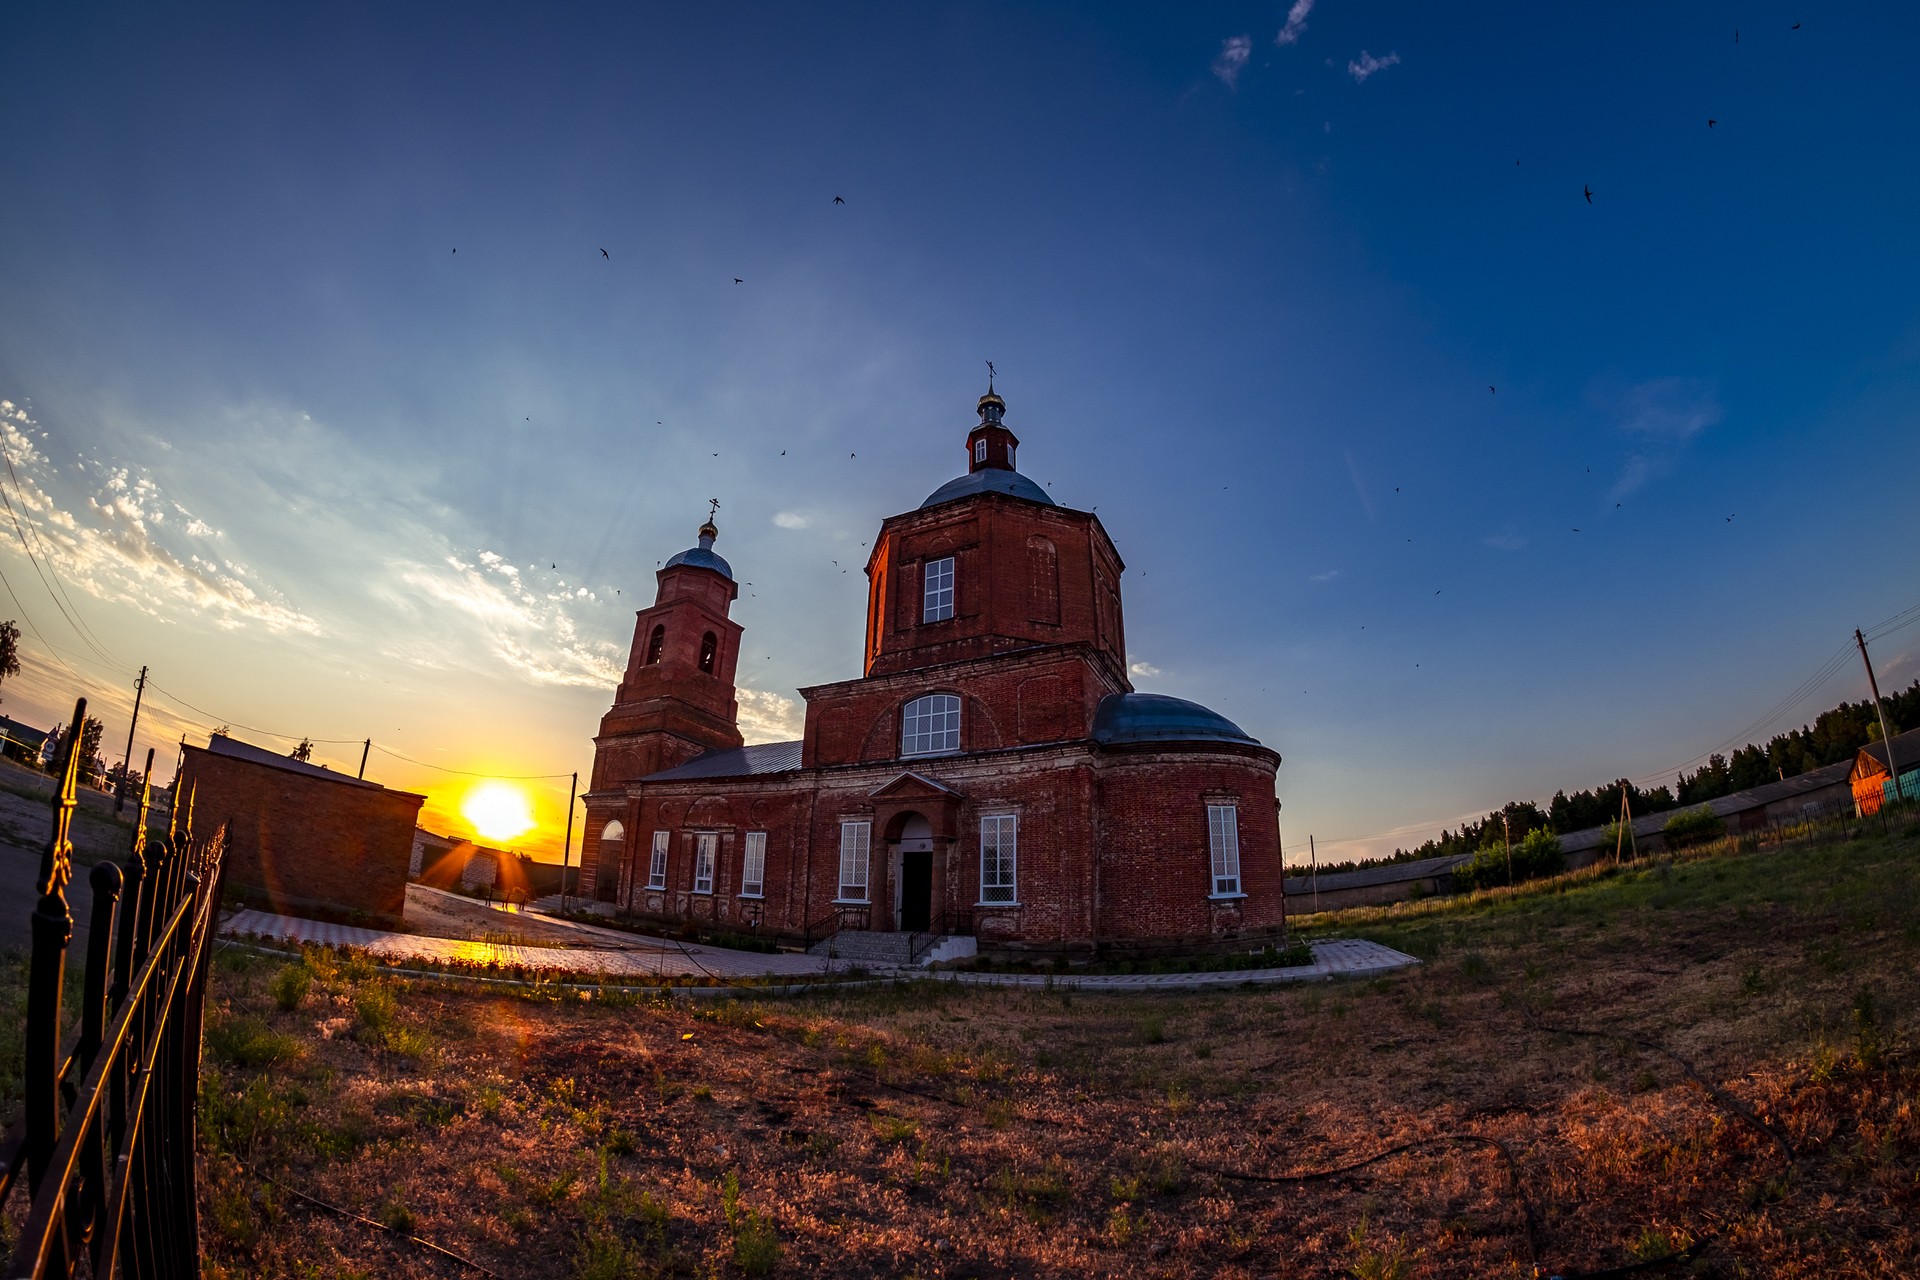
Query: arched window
930, 724
709, 648
654, 642
612, 834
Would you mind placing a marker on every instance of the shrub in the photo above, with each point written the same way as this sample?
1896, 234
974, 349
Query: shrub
1693, 826
249, 1042
1537, 855
289, 986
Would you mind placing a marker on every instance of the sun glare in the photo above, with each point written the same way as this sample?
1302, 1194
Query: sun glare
497, 810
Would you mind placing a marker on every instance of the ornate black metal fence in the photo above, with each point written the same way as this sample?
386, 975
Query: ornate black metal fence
106, 1139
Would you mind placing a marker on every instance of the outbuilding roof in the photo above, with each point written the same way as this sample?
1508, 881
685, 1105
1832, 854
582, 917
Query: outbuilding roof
222, 745
735, 762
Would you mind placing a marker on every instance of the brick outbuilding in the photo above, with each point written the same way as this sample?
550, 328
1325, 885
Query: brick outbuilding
303, 840
991, 772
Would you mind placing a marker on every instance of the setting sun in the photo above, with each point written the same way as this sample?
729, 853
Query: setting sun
497, 810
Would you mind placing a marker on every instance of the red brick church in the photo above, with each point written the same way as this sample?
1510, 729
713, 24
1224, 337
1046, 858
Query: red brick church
992, 772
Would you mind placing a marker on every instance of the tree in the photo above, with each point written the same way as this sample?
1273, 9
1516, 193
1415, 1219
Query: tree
91, 765
304, 752
9, 649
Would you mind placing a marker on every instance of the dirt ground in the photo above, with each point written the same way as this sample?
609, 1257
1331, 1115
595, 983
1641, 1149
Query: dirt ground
954, 1131
26, 822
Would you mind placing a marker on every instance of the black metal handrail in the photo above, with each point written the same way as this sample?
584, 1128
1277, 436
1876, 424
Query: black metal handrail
952, 921
107, 1134
846, 916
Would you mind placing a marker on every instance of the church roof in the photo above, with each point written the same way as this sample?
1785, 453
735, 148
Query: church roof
1154, 717
988, 480
735, 762
701, 558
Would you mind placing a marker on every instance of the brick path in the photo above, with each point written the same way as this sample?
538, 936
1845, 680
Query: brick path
649, 960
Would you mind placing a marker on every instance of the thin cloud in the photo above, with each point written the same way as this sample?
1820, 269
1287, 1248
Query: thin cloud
528, 630
132, 545
791, 520
1663, 416
769, 717
1366, 65
1360, 488
1508, 539
1146, 669
1232, 59
1328, 576
1296, 23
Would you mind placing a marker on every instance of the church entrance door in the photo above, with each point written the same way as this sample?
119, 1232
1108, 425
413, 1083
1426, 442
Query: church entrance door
916, 891
913, 900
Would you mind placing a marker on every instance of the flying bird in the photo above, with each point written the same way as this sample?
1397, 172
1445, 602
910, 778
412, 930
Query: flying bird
1711, 122
838, 200
1589, 192
1491, 391
783, 453
1730, 518
456, 248
606, 255
1576, 531
1736, 35
738, 280
1796, 26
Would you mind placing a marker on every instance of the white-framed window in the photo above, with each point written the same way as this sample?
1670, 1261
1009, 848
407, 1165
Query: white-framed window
936, 591
930, 724
1223, 838
753, 865
999, 857
704, 846
980, 449
856, 846
657, 869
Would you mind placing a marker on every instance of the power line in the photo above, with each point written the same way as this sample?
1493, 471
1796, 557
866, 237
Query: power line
502, 777
1827, 670
81, 628
235, 724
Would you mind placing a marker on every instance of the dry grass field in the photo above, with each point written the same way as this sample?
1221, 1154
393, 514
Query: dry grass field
943, 1130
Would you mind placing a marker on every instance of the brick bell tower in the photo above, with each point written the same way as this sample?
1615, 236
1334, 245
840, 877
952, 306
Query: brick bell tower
677, 698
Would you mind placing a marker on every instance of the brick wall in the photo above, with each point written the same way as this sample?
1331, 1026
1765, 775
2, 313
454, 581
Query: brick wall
303, 844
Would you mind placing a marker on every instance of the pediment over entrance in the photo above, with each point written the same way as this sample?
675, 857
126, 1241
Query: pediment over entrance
910, 785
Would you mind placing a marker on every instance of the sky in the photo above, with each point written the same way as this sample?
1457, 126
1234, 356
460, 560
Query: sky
361, 363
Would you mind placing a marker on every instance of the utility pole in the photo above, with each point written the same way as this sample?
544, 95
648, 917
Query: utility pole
1314, 855
1280, 838
365, 747
1886, 735
126, 762
566, 850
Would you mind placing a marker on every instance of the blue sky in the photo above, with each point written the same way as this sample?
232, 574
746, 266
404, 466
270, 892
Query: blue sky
325, 404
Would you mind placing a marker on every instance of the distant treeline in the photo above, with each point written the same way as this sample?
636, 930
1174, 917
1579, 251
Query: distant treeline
1837, 735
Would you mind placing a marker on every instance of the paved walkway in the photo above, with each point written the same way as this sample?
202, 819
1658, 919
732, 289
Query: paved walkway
617, 956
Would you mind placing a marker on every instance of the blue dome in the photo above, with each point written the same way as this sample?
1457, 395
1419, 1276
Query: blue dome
1154, 717
701, 558
988, 480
